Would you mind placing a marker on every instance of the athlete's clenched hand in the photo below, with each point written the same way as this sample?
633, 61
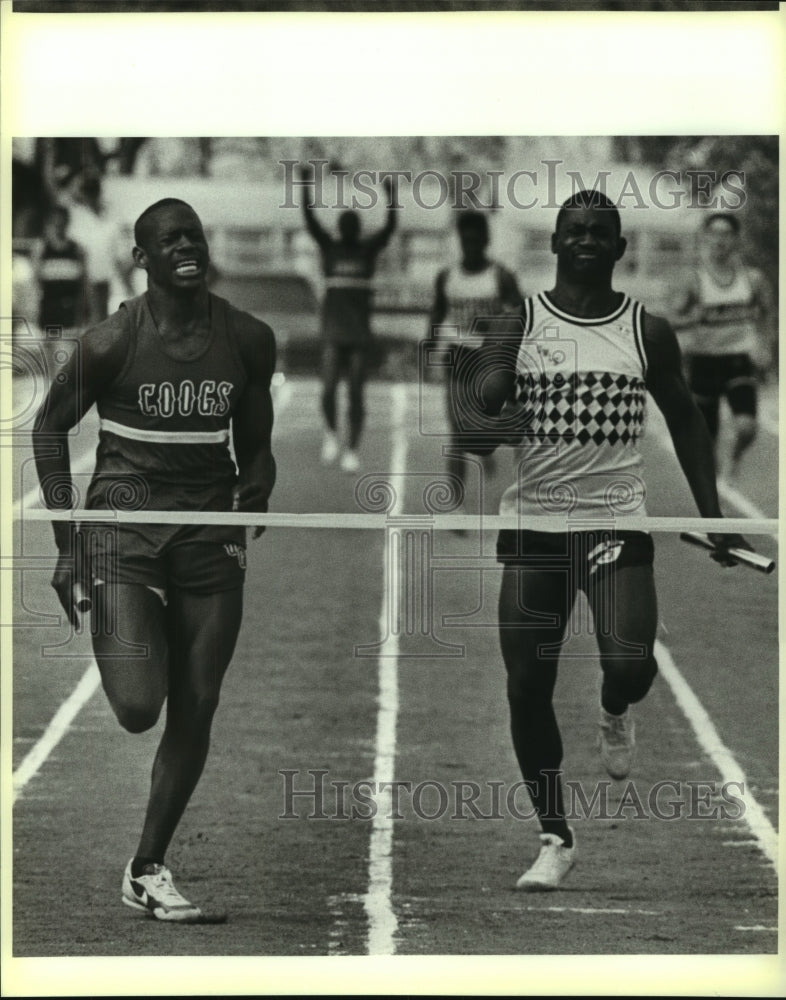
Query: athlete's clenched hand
724, 542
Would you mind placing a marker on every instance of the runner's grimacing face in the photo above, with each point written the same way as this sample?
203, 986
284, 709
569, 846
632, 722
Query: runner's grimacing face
586, 243
175, 250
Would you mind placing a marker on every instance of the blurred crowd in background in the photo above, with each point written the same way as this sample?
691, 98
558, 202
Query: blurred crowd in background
73, 217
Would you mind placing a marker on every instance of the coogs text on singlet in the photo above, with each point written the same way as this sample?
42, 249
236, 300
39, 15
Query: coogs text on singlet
582, 384
164, 422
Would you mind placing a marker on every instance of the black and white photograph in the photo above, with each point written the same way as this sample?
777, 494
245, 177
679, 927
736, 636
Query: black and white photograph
391, 533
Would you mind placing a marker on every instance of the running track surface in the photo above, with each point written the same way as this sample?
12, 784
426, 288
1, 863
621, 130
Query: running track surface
427, 709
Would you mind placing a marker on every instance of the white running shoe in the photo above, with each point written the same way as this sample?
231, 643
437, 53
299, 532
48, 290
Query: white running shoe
154, 893
617, 742
330, 448
552, 865
350, 461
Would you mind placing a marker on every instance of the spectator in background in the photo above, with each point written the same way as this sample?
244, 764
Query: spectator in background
93, 227
60, 268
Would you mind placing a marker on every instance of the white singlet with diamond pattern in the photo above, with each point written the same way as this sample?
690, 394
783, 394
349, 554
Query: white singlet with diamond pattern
581, 394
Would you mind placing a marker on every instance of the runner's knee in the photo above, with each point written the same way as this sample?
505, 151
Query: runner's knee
137, 716
630, 678
529, 681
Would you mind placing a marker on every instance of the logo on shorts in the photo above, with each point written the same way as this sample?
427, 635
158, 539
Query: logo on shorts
236, 552
606, 552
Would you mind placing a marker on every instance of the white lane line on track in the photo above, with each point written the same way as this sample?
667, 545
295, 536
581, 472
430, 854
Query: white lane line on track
710, 742
56, 729
84, 690
382, 923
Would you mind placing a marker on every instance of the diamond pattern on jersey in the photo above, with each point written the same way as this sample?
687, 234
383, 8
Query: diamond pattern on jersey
588, 407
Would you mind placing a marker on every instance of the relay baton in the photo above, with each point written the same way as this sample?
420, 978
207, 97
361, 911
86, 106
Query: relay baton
752, 559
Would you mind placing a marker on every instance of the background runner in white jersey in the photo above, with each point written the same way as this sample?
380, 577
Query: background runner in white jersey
728, 314
468, 296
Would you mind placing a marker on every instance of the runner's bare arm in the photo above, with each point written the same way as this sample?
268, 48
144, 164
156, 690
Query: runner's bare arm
509, 291
685, 310
767, 326
95, 362
439, 304
252, 421
500, 348
688, 430
380, 239
321, 235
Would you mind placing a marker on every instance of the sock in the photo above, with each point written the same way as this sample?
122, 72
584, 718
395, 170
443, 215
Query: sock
558, 827
138, 865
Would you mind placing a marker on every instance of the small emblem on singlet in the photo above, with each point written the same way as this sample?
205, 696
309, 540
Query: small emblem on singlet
606, 552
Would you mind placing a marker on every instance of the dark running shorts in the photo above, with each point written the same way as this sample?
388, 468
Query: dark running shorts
730, 375
590, 555
195, 558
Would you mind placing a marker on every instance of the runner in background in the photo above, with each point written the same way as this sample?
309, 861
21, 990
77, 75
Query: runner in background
59, 263
729, 327
94, 228
60, 271
466, 296
348, 264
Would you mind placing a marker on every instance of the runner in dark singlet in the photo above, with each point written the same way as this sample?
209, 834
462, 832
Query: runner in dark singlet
173, 374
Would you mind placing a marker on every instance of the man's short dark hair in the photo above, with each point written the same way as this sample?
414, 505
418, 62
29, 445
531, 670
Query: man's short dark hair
731, 220
141, 223
590, 199
471, 221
